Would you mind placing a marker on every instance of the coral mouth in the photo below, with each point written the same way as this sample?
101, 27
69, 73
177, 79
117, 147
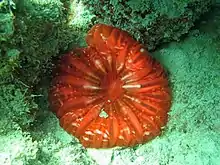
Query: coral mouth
112, 86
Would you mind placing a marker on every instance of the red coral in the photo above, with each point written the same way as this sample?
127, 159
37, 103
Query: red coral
113, 94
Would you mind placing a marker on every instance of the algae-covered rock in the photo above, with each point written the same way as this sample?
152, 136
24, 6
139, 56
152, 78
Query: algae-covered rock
38, 30
17, 111
150, 21
6, 26
9, 56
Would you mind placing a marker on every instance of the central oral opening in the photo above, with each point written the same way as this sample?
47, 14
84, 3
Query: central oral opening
115, 90
113, 87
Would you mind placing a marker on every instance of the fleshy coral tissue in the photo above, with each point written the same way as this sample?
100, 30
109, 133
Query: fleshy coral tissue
113, 94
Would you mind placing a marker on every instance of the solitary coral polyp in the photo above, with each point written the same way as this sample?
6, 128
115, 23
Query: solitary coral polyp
114, 75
